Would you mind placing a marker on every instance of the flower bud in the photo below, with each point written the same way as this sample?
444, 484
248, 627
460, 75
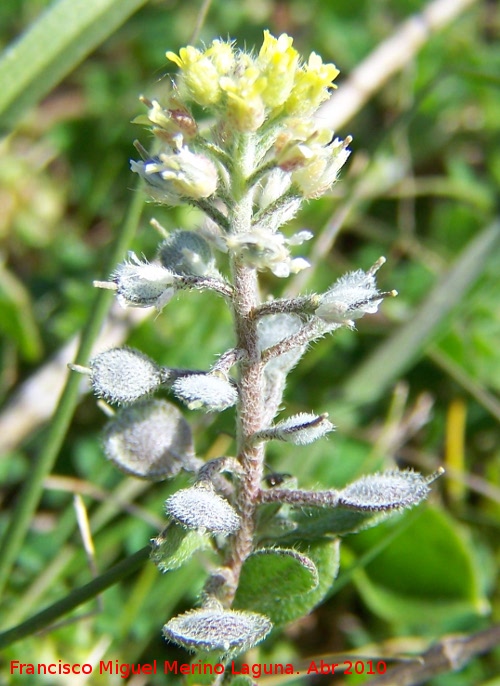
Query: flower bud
299, 143
123, 375
215, 629
150, 440
141, 284
312, 84
169, 122
300, 429
178, 174
245, 109
188, 253
206, 392
199, 507
278, 61
352, 296
322, 170
199, 76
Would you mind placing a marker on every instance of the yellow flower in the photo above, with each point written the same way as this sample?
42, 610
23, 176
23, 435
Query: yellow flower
245, 89
311, 86
199, 75
244, 106
278, 61
222, 56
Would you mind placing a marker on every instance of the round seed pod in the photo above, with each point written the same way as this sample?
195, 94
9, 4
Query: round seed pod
187, 253
150, 440
199, 507
208, 392
123, 375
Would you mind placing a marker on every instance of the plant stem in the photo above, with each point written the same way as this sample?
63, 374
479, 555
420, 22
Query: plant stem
250, 407
250, 413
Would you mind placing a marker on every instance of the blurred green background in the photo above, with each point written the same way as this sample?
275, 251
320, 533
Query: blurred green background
416, 385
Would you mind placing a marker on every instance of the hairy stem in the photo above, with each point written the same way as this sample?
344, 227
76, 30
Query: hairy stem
250, 413
250, 407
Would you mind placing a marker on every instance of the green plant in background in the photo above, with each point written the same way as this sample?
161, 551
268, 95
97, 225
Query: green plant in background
258, 156
413, 387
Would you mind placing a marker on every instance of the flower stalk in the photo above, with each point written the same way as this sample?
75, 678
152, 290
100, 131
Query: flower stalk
249, 173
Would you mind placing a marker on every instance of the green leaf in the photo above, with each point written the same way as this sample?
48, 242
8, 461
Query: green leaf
313, 523
286, 584
17, 319
242, 680
63, 35
175, 545
428, 571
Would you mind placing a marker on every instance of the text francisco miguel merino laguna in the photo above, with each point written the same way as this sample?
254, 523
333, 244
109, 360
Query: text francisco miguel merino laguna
125, 669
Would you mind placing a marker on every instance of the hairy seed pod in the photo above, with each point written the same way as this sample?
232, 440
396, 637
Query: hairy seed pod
150, 440
123, 375
187, 253
199, 507
391, 490
207, 392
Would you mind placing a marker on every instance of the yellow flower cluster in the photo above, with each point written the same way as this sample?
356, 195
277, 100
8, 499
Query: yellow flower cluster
250, 89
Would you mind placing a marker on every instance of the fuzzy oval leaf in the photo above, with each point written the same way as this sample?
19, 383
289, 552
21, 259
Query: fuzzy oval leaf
428, 570
271, 577
217, 630
175, 545
275, 581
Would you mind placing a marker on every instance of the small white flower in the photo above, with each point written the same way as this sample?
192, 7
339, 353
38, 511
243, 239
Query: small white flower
264, 249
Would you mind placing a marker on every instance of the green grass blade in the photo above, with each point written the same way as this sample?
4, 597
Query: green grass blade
30, 495
394, 357
75, 598
63, 35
